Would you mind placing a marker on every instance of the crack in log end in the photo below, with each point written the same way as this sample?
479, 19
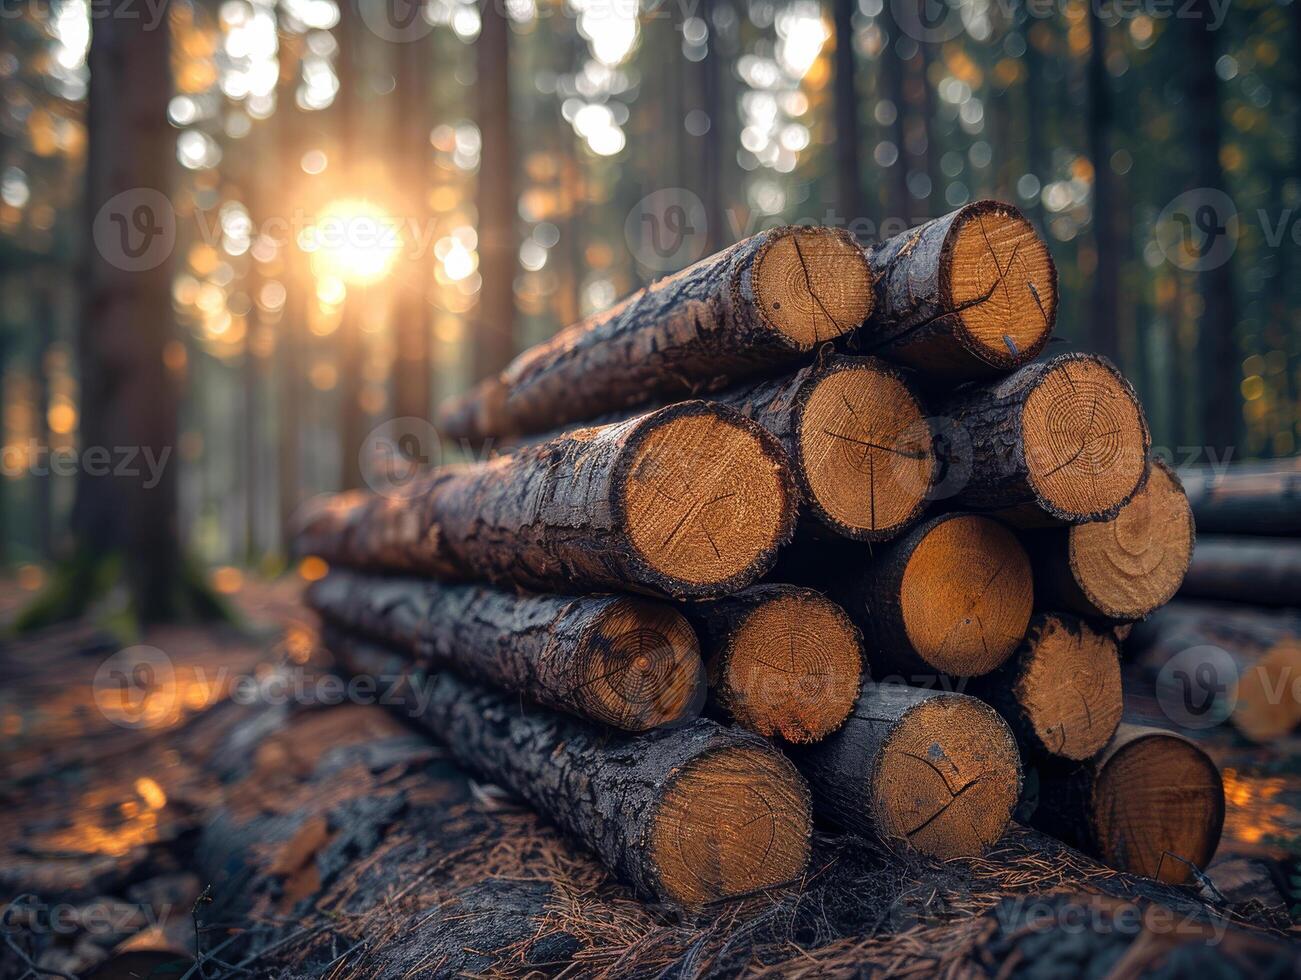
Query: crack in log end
793, 668
1133, 564
865, 451
812, 285
640, 667
1084, 438
966, 595
1069, 687
997, 254
1157, 794
706, 498
948, 778
732, 821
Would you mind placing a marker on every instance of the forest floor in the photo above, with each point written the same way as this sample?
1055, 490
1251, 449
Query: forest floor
206, 786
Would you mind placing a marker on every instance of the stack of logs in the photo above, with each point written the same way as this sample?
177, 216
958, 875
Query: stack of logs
803, 530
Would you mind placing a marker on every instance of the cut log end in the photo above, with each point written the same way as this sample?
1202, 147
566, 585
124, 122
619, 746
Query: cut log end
1266, 705
947, 779
1001, 279
707, 496
793, 668
1069, 688
641, 667
1085, 440
966, 595
812, 285
1158, 806
866, 451
1134, 563
730, 822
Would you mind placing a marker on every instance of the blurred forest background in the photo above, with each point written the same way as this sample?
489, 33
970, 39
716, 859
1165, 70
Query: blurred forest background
171, 175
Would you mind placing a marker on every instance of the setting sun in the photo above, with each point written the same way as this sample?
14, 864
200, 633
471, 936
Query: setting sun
353, 240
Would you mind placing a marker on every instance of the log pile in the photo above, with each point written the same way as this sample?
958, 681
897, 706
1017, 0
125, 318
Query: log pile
882, 548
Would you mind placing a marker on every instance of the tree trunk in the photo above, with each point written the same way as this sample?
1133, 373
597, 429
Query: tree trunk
1124, 568
293, 318
1260, 498
968, 295
890, 79
45, 310
692, 500
619, 661
351, 349
849, 169
1060, 692
689, 815
1259, 571
1104, 317
1152, 803
1064, 437
933, 772
783, 661
755, 308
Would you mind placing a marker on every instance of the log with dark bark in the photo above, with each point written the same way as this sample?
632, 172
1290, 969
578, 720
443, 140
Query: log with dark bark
968, 295
1260, 571
951, 596
924, 770
618, 660
690, 814
690, 501
1249, 498
1151, 803
1120, 569
1064, 437
1060, 692
782, 660
752, 309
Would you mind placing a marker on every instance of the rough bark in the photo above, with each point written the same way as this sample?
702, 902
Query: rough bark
692, 500
782, 660
923, 770
1253, 498
1060, 692
1260, 571
1121, 569
752, 309
1064, 437
1151, 803
690, 815
616, 660
968, 295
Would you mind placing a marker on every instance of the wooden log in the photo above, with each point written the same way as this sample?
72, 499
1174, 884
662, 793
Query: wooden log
952, 596
1261, 571
690, 501
928, 771
617, 660
1247, 498
969, 295
782, 660
752, 309
1060, 692
1151, 803
690, 814
1064, 437
1121, 569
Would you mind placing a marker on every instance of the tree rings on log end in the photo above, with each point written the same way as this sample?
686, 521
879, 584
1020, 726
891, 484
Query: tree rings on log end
1084, 439
792, 668
730, 822
1132, 564
947, 778
1000, 279
812, 284
865, 450
640, 667
966, 595
707, 497
1157, 805
1068, 686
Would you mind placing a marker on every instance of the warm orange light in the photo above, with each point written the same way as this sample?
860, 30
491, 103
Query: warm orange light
312, 568
227, 580
353, 240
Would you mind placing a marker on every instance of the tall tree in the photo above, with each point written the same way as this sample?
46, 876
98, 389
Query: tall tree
293, 314
849, 168
890, 79
1105, 314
